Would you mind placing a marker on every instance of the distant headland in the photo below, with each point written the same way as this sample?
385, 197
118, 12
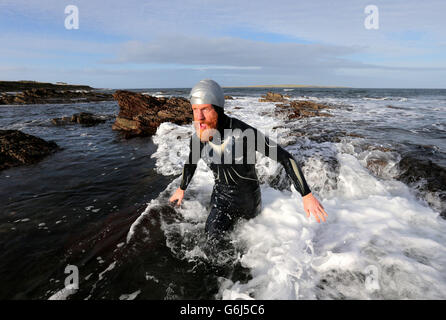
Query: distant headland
22, 85
284, 86
34, 92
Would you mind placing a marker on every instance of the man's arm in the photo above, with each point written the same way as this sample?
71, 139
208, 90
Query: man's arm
292, 169
191, 163
188, 172
274, 151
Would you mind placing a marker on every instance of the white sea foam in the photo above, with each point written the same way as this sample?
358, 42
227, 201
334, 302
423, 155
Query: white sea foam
371, 223
172, 151
381, 98
130, 296
374, 223
62, 294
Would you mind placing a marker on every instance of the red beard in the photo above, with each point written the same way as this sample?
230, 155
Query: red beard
205, 129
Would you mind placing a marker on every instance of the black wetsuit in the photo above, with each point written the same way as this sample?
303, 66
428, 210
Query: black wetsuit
236, 192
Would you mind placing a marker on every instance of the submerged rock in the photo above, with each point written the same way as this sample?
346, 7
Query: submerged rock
85, 118
376, 165
140, 115
425, 176
413, 169
274, 97
61, 121
18, 148
301, 109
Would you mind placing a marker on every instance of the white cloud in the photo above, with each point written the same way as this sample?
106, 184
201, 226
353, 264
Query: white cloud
199, 36
194, 50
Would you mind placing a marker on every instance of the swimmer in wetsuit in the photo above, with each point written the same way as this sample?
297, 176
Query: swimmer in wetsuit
228, 146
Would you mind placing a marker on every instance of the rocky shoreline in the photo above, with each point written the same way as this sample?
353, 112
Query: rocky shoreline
30, 92
50, 96
140, 115
23, 85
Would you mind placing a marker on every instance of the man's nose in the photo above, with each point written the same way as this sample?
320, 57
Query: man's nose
200, 115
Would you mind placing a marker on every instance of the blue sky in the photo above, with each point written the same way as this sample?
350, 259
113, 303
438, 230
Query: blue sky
143, 44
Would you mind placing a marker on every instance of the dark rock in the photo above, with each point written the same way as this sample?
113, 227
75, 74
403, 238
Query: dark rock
274, 97
376, 165
86, 118
39, 93
357, 135
6, 99
229, 98
301, 109
393, 107
18, 148
47, 96
425, 177
414, 169
299, 104
61, 121
140, 115
33, 92
19, 100
28, 85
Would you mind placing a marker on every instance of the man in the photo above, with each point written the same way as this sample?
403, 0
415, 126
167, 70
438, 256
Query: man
236, 192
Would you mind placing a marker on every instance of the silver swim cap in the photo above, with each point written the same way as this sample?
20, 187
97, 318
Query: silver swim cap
207, 91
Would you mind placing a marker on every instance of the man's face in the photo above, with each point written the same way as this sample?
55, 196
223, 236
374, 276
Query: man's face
205, 119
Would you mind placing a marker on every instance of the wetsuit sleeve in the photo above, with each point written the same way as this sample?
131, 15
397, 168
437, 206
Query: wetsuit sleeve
274, 151
292, 169
191, 164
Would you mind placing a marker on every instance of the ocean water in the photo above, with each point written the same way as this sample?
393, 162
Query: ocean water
101, 204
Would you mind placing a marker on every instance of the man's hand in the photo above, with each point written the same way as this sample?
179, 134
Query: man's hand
177, 196
312, 205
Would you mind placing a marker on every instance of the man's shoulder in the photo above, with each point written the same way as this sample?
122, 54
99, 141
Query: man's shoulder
239, 124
